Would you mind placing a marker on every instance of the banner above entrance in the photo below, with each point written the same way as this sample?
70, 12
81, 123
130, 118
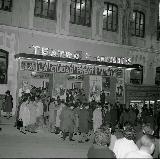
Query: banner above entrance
51, 66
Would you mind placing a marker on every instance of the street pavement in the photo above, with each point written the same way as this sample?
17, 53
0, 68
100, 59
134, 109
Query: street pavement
14, 144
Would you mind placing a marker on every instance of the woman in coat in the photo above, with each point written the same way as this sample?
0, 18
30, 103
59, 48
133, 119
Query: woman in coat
97, 118
33, 115
67, 118
52, 115
24, 114
8, 104
83, 123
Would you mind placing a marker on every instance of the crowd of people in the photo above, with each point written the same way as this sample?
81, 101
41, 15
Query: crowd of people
118, 131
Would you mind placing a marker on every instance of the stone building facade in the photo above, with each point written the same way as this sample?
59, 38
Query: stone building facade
20, 29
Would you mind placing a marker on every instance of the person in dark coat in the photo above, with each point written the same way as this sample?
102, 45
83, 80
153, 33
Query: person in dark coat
67, 118
83, 115
100, 149
102, 97
8, 104
114, 115
124, 117
132, 116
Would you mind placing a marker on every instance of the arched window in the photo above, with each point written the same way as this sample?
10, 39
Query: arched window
3, 66
110, 17
138, 24
45, 9
80, 12
136, 76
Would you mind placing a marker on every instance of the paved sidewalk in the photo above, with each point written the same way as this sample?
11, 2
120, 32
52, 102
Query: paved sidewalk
14, 144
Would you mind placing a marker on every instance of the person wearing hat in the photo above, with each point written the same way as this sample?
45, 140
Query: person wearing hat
126, 144
100, 149
8, 104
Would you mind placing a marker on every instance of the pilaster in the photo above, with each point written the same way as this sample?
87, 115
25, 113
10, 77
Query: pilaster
97, 19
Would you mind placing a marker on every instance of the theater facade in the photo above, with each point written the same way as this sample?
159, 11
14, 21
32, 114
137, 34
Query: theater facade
59, 62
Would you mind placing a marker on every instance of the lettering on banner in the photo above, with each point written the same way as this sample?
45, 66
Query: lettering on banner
28, 65
50, 66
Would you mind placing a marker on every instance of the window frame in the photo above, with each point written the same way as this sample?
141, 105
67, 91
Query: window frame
9, 7
116, 6
41, 10
141, 14
75, 14
6, 71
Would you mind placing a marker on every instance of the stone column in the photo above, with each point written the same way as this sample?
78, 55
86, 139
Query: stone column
31, 13
126, 7
97, 19
63, 16
150, 71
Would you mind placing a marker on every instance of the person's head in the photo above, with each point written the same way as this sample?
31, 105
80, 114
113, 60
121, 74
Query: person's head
102, 136
52, 100
147, 129
147, 143
37, 98
129, 132
25, 97
7, 92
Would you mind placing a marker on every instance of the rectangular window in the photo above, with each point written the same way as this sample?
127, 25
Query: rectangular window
80, 12
138, 24
45, 9
158, 23
3, 66
110, 17
6, 5
136, 76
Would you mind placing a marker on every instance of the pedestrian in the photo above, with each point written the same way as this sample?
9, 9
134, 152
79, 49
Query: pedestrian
8, 105
114, 115
67, 118
39, 112
33, 114
52, 115
100, 149
83, 123
24, 114
124, 118
132, 116
102, 97
97, 117
59, 111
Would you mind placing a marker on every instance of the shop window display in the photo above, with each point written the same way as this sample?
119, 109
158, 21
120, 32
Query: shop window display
3, 66
136, 76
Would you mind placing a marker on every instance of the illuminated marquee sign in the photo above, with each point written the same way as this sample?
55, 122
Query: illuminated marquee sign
55, 53
78, 55
117, 60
